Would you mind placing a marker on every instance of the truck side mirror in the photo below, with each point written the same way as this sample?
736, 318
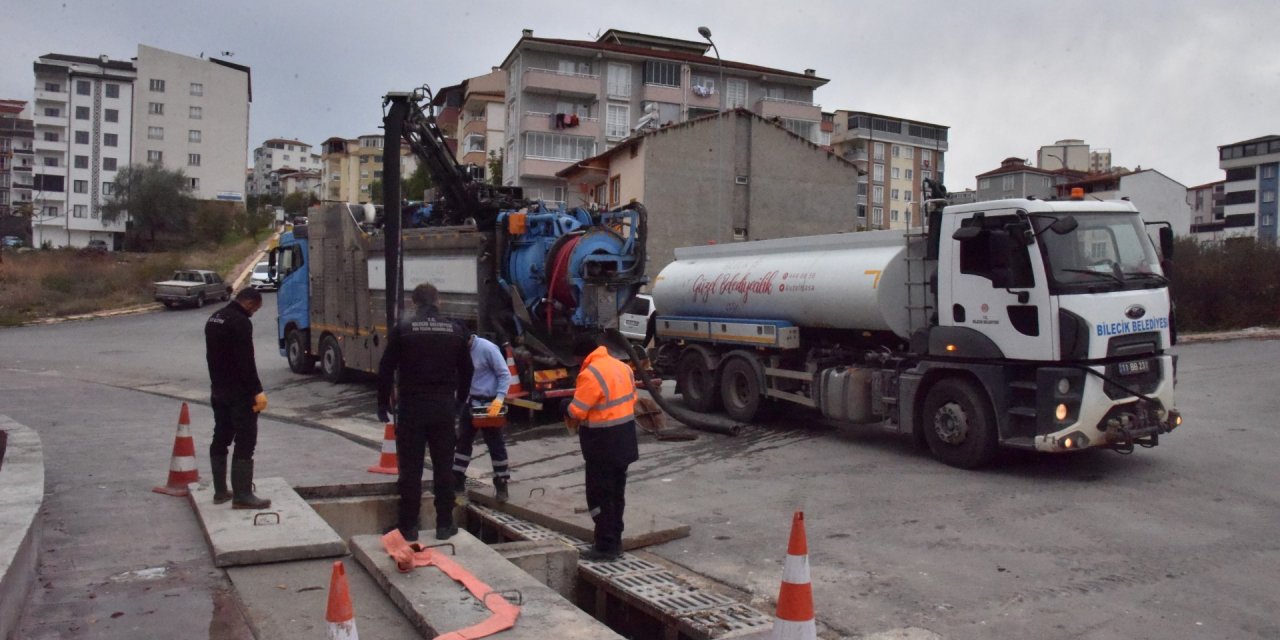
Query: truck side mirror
967, 233
1064, 225
1166, 242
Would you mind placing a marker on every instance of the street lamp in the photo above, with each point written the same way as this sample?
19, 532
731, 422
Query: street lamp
718, 182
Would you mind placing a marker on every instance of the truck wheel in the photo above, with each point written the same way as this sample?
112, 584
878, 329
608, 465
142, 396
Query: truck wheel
958, 424
740, 390
300, 361
697, 383
331, 364
200, 301
226, 295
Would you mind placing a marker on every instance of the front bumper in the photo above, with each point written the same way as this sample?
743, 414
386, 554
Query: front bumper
1117, 423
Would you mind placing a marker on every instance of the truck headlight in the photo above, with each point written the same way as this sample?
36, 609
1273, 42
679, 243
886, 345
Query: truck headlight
1060, 413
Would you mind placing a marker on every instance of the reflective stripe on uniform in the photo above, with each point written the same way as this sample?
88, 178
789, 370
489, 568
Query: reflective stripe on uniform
611, 423
613, 403
580, 404
594, 512
604, 388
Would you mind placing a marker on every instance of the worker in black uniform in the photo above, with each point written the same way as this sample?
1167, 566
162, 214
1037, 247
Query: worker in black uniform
237, 399
434, 364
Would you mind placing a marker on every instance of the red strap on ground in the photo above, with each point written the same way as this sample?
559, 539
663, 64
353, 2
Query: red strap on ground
504, 613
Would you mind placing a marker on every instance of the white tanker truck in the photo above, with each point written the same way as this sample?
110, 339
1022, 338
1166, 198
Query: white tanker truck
1031, 324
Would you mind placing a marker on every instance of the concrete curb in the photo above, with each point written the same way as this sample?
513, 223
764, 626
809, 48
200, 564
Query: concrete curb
21, 497
1252, 333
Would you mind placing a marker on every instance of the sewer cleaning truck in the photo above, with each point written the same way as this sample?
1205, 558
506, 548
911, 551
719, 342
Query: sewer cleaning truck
510, 269
1029, 324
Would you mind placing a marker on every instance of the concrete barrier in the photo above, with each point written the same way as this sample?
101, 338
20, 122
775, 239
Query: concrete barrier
21, 496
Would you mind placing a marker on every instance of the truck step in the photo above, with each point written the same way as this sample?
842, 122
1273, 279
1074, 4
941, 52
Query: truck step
1023, 384
1026, 412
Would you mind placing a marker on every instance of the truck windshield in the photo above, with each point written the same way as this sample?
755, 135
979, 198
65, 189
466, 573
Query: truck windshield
1106, 252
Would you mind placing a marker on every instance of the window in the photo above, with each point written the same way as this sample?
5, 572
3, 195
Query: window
926, 158
53, 86
110, 139
906, 195
195, 184
619, 80
662, 73
157, 85
52, 112
108, 164
984, 183
877, 173
1266, 220
893, 215
1269, 171
82, 113
877, 216
1046, 182
1268, 196
113, 90
82, 162
552, 146
197, 89
896, 151
703, 85
1007, 183
193, 159
111, 115
108, 188
475, 143
926, 175
82, 87
908, 153
617, 121
894, 173
995, 255
877, 194
803, 128
193, 135
879, 151
735, 93
80, 186
573, 67
82, 137
51, 136
615, 191
155, 133
155, 156
80, 211
155, 108
50, 162
196, 113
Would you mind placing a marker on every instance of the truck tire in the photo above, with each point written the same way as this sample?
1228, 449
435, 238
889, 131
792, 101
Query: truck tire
331, 363
296, 349
958, 424
226, 295
740, 390
697, 383
200, 301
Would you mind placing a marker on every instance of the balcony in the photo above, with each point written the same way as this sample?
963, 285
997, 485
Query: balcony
790, 109
532, 168
50, 146
476, 126
51, 96
552, 82
42, 120
24, 150
538, 121
662, 93
711, 101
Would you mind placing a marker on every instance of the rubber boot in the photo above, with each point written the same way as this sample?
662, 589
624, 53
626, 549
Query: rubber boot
500, 489
242, 486
220, 492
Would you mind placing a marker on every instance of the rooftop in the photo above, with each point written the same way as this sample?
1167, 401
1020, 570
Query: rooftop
101, 61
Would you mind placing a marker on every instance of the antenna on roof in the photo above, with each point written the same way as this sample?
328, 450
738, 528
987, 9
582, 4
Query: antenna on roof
229, 54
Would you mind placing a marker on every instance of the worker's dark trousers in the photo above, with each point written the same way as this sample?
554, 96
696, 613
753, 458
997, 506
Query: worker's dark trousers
426, 423
234, 421
608, 452
492, 440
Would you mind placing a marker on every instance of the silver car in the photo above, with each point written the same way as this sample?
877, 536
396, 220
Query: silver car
263, 277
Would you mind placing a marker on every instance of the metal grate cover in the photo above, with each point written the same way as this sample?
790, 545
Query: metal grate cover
732, 619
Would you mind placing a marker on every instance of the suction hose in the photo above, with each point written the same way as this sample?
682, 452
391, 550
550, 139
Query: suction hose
699, 421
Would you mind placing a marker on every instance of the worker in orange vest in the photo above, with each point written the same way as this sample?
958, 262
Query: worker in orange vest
603, 406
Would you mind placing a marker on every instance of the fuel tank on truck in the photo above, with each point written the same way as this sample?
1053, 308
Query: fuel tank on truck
841, 281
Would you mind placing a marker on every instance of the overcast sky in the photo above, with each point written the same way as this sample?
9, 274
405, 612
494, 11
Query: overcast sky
1160, 83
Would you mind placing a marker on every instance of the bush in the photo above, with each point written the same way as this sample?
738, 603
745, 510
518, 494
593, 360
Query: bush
1233, 285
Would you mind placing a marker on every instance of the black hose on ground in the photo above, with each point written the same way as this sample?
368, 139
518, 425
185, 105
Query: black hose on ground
699, 421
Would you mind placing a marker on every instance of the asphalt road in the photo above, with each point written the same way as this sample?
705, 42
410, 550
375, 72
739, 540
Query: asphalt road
1173, 542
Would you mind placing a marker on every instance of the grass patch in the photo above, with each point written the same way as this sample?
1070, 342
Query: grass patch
56, 283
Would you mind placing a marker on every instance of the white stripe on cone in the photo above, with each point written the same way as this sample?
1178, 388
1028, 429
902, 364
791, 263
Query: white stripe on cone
343, 630
795, 569
388, 446
183, 463
788, 630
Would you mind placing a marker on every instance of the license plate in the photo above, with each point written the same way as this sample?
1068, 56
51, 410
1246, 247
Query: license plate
1134, 367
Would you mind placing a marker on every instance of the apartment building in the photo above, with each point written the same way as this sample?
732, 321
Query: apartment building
82, 115
1014, 178
895, 155
193, 114
481, 118
567, 100
1157, 196
1208, 214
279, 154
1075, 155
17, 151
349, 166
1249, 192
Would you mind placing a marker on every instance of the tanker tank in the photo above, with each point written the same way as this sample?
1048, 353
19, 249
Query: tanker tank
855, 281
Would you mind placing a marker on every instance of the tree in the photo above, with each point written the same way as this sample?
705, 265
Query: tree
375, 192
417, 184
296, 203
154, 198
495, 168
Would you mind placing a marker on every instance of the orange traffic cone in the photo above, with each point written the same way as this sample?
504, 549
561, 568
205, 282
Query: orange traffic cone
388, 463
515, 389
182, 467
795, 619
339, 614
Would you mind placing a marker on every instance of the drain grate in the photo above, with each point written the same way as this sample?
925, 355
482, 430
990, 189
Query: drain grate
629, 564
732, 619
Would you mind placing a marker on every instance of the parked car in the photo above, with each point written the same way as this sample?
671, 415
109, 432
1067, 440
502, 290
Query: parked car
633, 321
263, 277
98, 246
12, 242
192, 287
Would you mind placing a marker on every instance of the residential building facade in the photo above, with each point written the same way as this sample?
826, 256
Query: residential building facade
17, 153
481, 119
1014, 178
774, 184
1158, 197
275, 155
82, 115
1208, 214
193, 114
1249, 192
1068, 153
568, 100
349, 166
896, 156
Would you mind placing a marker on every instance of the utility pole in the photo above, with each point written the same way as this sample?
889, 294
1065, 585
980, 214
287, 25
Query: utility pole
720, 179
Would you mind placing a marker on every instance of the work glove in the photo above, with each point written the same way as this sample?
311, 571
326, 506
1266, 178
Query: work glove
384, 414
495, 408
260, 402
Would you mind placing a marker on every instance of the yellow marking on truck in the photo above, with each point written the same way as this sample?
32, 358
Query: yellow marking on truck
550, 375
874, 272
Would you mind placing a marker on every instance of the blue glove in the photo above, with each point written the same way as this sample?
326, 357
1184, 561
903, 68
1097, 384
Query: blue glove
383, 414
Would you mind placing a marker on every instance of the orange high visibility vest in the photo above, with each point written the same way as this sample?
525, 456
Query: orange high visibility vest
606, 391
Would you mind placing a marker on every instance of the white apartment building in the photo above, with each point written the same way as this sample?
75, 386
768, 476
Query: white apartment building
276, 154
896, 156
193, 114
82, 113
1249, 207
